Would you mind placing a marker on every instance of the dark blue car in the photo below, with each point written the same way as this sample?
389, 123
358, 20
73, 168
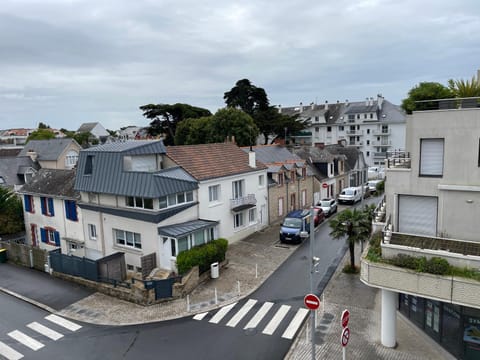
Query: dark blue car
294, 223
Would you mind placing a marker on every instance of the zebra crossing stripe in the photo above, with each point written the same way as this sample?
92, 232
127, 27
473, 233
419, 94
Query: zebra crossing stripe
52, 334
26, 340
9, 353
221, 313
241, 313
63, 322
259, 316
295, 324
276, 320
200, 316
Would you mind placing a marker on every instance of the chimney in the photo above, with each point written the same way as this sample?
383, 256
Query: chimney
371, 101
366, 101
251, 159
326, 104
346, 102
301, 107
313, 106
320, 145
379, 101
279, 109
33, 155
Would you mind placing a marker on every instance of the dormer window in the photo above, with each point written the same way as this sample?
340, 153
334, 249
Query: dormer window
88, 165
292, 175
280, 178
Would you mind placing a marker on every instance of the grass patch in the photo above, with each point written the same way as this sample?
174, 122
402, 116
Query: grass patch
347, 269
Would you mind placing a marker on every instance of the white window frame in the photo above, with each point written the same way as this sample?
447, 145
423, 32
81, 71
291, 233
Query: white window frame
173, 200
261, 180
136, 239
214, 193
238, 189
92, 231
238, 220
252, 216
280, 207
431, 157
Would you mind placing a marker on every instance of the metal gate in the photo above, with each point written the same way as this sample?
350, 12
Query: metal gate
163, 288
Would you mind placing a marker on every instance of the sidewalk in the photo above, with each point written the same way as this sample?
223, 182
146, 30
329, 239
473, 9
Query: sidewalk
251, 262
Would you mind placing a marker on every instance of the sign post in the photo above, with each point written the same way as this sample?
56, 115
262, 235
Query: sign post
345, 332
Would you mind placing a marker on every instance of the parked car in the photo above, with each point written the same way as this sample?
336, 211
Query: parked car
318, 215
329, 206
293, 224
350, 195
372, 185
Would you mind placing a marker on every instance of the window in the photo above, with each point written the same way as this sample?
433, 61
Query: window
368, 131
252, 216
316, 119
280, 178
92, 232
340, 128
47, 206
431, 157
127, 238
238, 220
371, 115
368, 153
187, 242
139, 202
261, 180
214, 193
88, 165
364, 116
304, 173
329, 129
358, 116
384, 129
28, 200
50, 236
292, 175
368, 142
304, 198
71, 210
237, 189
317, 129
71, 159
174, 199
351, 117
280, 206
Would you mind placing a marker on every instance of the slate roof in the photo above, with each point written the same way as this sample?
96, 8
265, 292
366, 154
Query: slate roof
52, 182
86, 127
209, 161
351, 153
316, 154
109, 177
271, 154
13, 166
47, 150
186, 228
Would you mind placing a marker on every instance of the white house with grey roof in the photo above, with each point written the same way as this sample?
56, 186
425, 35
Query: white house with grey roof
131, 203
60, 153
374, 126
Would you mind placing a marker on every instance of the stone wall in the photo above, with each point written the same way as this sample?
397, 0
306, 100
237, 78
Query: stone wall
25, 255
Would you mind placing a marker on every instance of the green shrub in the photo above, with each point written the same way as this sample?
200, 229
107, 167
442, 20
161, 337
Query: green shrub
380, 187
202, 256
437, 266
375, 249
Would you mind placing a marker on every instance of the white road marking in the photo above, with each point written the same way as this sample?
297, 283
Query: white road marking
221, 313
259, 315
9, 353
63, 322
26, 340
200, 316
295, 324
52, 334
241, 313
276, 320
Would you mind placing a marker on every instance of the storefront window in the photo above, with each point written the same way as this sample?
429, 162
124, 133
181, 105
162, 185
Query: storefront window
451, 326
432, 318
471, 333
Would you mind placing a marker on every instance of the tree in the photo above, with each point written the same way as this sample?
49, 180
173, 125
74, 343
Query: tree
232, 123
165, 118
425, 91
465, 88
353, 224
41, 125
194, 131
254, 101
11, 212
41, 134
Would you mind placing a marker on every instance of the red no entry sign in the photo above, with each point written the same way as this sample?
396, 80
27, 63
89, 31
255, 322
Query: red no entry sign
324, 185
311, 301
345, 336
345, 318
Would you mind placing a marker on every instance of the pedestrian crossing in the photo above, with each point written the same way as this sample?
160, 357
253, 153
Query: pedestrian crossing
270, 318
29, 337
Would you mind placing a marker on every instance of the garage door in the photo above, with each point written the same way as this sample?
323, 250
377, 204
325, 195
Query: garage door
417, 215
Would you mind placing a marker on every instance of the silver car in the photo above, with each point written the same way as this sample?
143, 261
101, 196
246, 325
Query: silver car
329, 206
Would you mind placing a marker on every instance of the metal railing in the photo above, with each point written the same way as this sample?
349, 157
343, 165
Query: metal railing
243, 201
447, 104
398, 159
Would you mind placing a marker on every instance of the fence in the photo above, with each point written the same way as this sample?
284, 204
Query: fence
25, 255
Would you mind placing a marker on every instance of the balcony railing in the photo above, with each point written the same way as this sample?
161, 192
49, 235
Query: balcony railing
243, 202
447, 104
381, 132
381, 143
354, 132
398, 159
380, 155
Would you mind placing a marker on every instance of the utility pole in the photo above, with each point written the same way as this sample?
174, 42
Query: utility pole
314, 263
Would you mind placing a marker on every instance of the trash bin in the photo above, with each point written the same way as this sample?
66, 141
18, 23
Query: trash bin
3, 255
214, 273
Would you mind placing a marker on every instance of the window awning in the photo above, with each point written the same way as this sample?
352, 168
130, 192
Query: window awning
186, 228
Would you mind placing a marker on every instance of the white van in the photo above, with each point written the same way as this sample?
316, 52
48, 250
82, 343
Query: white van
350, 195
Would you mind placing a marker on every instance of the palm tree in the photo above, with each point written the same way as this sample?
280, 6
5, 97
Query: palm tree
355, 225
465, 88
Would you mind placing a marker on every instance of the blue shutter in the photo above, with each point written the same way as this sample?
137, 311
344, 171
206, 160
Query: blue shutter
73, 209
26, 199
43, 235
42, 205
56, 236
67, 209
51, 210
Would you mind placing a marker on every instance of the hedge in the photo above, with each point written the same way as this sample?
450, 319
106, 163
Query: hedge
203, 256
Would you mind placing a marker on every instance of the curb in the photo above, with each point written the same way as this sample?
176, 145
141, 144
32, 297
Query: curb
31, 301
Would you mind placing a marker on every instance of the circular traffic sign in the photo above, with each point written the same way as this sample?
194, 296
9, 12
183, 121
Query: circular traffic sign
324, 185
311, 301
345, 336
345, 318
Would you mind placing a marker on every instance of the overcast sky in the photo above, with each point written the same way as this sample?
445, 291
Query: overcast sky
65, 62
